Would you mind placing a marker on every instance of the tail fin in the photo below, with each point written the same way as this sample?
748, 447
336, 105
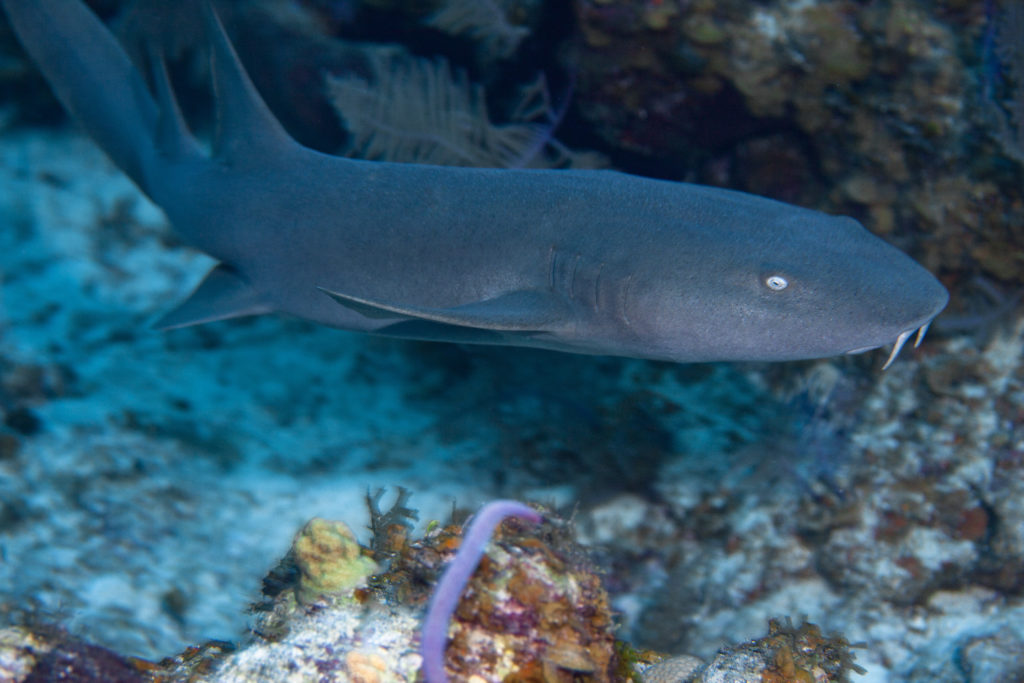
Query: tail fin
99, 85
92, 77
101, 88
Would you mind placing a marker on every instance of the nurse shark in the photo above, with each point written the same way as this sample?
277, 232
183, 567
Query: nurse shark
596, 262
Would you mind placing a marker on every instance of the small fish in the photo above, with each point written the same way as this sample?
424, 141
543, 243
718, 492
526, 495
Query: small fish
592, 262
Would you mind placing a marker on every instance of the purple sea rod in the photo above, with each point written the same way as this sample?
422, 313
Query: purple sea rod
434, 634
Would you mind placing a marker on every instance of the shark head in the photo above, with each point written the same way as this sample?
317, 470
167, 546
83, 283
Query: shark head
783, 285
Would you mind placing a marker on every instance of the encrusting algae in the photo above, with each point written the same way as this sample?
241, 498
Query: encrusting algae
329, 560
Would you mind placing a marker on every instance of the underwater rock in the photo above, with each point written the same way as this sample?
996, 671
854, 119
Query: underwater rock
681, 669
53, 655
342, 642
787, 654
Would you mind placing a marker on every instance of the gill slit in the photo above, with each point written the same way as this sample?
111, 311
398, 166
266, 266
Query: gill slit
572, 278
552, 261
624, 301
597, 288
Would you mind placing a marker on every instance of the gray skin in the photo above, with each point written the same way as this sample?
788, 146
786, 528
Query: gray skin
581, 261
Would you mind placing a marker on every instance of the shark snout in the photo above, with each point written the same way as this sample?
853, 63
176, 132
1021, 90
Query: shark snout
917, 330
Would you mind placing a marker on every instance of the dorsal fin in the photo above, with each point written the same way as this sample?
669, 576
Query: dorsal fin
173, 137
245, 125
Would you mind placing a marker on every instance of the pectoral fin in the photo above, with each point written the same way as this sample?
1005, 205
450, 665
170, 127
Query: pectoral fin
518, 311
222, 294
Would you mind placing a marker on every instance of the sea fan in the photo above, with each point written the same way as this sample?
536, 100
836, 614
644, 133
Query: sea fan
417, 110
483, 21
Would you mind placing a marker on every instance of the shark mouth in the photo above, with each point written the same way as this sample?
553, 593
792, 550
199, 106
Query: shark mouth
898, 345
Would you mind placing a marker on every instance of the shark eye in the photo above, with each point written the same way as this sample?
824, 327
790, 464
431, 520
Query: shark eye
776, 283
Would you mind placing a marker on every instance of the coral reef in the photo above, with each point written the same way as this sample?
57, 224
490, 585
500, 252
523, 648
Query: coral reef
872, 110
919, 519
448, 592
534, 611
530, 611
1006, 35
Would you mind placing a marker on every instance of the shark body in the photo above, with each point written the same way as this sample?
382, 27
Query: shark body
582, 261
